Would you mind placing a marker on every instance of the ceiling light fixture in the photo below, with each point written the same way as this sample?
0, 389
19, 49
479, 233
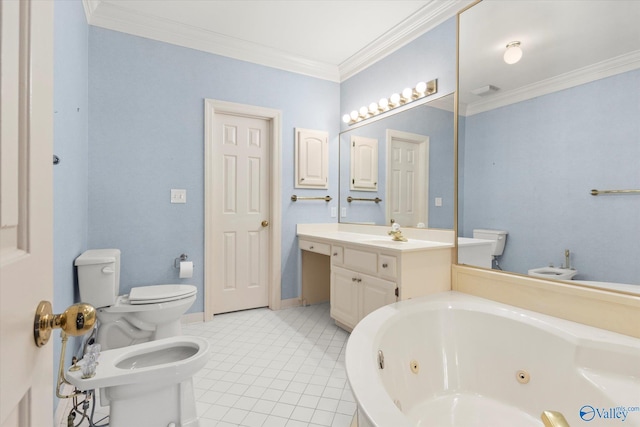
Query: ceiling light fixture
513, 53
421, 90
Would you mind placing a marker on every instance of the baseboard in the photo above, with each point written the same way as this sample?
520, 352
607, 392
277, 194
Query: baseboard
192, 318
291, 302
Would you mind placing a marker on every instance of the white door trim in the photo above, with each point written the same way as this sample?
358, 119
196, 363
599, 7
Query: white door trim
212, 107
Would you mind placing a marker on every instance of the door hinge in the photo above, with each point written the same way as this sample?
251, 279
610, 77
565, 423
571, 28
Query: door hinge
397, 292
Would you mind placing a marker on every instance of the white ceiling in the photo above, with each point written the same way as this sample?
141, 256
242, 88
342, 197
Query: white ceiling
564, 43
329, 39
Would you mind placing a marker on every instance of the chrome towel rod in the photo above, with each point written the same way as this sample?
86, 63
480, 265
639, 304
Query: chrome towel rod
351, 199
595, 192
295, 198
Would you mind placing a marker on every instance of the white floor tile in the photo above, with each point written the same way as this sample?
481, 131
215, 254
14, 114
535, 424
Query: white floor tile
273, 369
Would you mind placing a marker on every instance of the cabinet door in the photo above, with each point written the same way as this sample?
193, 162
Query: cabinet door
344, 296
364, 164
312, 159
375, 293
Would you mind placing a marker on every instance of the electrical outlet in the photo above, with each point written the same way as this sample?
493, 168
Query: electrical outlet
438, 201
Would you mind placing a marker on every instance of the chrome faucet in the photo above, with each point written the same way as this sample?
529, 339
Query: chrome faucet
396, 233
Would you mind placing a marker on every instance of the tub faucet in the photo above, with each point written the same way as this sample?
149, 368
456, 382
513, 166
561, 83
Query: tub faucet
553, 419
396, 233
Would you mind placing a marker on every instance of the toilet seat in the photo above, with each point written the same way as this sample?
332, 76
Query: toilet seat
160, 293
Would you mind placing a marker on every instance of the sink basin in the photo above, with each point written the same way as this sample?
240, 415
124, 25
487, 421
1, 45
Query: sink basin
553, 273
385, 242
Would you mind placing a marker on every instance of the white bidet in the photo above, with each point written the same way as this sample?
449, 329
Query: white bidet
149, 384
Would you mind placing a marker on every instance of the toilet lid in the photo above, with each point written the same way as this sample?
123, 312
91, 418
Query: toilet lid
160, 293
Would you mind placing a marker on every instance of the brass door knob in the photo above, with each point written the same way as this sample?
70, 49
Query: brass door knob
265, 223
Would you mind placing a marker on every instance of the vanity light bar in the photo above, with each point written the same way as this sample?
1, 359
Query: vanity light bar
408, 95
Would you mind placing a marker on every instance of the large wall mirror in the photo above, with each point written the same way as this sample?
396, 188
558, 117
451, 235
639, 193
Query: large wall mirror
399, 168
536, 136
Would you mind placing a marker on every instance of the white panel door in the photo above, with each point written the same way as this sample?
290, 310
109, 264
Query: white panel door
407, 182
240, 212
26, 213
364, 164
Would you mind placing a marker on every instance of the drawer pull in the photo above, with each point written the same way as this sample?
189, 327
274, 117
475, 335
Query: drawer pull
311, 247
353, 279
335, 254
385, 265
359, 280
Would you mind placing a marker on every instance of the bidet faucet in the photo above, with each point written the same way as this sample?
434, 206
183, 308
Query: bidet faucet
567, 261
396, 233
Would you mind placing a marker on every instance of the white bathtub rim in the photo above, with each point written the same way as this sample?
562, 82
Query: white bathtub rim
369, 391
610, 286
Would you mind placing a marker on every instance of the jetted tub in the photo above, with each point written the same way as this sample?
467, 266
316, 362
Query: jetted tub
452, 359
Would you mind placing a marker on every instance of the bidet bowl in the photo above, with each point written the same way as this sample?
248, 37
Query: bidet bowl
553, 273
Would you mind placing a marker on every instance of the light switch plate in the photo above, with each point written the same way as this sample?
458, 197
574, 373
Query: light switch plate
438, 201
178, 196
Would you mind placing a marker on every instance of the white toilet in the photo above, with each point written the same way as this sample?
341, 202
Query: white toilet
149, 384
147, 313
498, 238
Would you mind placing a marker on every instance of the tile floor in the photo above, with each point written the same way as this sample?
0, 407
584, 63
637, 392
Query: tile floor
273, 369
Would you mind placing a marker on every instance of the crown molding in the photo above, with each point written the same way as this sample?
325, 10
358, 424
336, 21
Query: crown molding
114, 17
611, 67
111, 16
427, 18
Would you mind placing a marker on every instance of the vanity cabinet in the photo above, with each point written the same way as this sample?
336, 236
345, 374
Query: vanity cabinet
368, 271
354, 295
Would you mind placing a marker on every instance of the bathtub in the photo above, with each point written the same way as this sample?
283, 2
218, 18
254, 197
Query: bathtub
452, 359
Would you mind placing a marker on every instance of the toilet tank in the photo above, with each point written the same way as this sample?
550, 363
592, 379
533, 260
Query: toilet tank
99, 276
499, 238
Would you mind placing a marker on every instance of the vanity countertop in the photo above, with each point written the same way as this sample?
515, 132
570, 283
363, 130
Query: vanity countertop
378, 239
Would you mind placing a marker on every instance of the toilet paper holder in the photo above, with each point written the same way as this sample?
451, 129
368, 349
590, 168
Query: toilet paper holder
182, 257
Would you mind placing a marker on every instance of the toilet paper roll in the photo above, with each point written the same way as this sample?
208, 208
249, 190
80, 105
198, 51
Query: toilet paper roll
186, 269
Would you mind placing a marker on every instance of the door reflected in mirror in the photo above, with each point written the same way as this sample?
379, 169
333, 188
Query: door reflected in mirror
400, 168
535, 136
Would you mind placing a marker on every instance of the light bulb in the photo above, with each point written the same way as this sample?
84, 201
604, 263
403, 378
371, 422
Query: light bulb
373, 108
383, 103
346, 118
364, 111
421, 88
407, 93
394, 100
513, 53
354, 115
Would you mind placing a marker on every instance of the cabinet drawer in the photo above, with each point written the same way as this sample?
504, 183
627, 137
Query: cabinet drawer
364, 261
387, 266
337, 254
321, 248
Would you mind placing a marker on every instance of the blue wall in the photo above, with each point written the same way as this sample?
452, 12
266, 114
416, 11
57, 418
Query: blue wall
430, 56
529, 168
70, 176
145, 136
146, 132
